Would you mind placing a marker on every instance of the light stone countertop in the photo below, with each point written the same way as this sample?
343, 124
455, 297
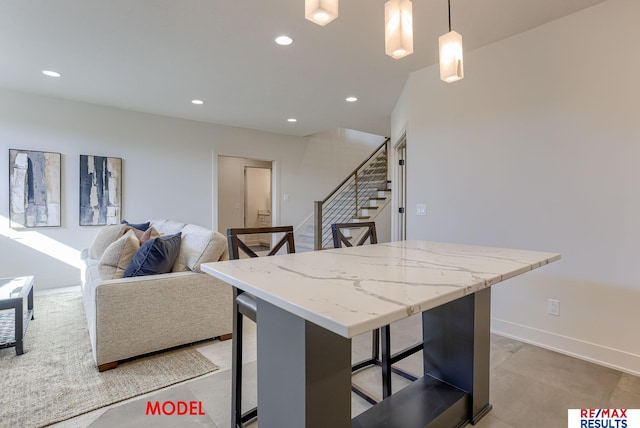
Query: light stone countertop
357, 289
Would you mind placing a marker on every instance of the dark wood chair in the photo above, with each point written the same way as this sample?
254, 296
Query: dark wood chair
381, 340
339, 239
244, 305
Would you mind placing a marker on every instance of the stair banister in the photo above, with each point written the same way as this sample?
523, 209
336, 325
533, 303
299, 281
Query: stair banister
357, 168
318, 205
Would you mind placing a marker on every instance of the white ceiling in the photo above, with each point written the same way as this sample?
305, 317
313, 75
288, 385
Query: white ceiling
156, 55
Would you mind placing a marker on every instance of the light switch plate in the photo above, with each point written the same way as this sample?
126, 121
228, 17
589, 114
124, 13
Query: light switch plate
421, 209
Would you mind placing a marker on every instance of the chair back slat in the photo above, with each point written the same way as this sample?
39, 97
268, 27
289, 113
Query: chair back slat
236, 244
244, 247
339, 239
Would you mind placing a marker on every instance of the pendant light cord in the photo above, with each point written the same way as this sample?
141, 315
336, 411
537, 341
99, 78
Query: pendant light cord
449, 15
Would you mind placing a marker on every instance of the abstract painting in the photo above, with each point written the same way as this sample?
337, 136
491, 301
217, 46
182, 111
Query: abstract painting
34, 188
100, 190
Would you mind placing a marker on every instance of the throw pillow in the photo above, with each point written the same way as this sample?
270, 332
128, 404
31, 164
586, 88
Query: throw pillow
155, 256
167, 227
139, 226
199, 245
148, 234
117, 256
215, 250
105, 237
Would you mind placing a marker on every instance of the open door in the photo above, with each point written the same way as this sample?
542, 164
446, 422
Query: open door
244, 192
257, 202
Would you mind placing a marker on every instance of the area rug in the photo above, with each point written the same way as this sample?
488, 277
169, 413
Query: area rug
56, 378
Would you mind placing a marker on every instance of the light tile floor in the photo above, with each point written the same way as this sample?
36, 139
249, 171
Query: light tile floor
530, 386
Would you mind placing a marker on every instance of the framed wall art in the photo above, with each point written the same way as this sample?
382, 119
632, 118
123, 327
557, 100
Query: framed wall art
34, 188
100, 190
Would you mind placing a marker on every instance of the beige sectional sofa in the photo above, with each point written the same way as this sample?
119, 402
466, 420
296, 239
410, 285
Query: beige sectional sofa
128, 317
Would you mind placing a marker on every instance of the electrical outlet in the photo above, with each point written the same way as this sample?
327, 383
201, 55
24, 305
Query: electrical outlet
421, 209
553, 307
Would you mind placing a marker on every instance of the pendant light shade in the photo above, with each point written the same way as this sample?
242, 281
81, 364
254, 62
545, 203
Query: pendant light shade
398, 28
451, 66
321, 12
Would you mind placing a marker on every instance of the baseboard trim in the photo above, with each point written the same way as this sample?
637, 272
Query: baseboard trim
594, 353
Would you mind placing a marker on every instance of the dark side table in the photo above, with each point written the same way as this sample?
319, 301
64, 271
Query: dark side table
17, 294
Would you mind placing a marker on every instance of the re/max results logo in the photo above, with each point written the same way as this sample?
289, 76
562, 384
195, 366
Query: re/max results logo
603, 418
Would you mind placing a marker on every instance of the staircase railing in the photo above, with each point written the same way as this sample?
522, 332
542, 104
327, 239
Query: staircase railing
345, 202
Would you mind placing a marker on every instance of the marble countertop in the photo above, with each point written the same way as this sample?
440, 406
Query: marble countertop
357, 289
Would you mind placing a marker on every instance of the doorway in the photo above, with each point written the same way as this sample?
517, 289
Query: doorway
245, 193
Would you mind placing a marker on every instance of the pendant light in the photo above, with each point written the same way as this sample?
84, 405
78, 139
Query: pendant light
398, 28
321, 12
451, 65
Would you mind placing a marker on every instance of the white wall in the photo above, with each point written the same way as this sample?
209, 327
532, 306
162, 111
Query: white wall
538, 148
383, 224
331, 156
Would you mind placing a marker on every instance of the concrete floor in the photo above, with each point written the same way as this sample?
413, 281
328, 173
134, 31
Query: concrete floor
530, 386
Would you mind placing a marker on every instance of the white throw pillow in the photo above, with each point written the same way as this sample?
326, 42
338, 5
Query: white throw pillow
117, 256
167, 227
199, 245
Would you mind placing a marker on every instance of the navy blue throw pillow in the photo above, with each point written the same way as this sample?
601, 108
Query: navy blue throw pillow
155, 256
140, 226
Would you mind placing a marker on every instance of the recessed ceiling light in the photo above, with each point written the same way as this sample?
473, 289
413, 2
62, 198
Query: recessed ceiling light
284, 40
51, 73
197, 102
292, 120
351, 99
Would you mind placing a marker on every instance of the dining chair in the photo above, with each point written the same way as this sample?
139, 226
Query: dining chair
244, 305
381, 338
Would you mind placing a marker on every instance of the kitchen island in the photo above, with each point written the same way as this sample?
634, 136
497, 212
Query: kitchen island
310, 305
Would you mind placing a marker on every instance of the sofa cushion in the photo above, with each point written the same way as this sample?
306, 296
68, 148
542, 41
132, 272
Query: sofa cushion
167, 227
199, 245
140, 226
105, 237
117, 256
155, 256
